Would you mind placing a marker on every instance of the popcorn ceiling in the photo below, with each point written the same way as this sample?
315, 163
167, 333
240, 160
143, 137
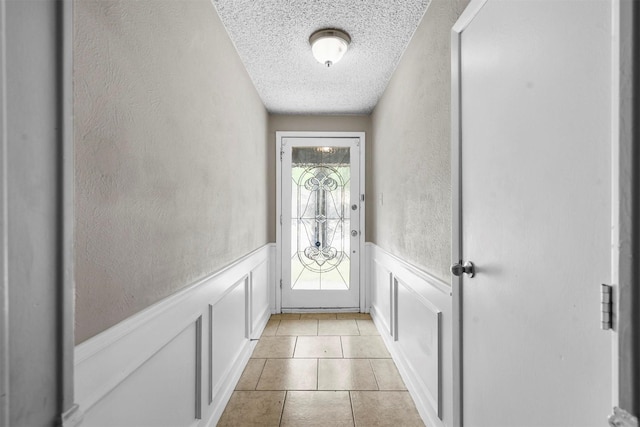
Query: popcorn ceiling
272, 39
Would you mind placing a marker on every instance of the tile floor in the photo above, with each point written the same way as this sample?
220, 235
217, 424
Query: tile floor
320, 369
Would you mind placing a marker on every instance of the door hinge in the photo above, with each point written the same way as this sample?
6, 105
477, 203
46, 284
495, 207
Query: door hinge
280, 283
280, 219
281, 154
606, 294
621, 418
362, 197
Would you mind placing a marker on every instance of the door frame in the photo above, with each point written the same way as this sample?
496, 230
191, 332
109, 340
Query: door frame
54, 19
624, 204
361, 245
467, 16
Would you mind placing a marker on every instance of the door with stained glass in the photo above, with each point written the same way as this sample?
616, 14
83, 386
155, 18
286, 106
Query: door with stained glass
321, 236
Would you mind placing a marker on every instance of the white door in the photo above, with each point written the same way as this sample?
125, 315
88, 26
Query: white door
321, 222
532, 89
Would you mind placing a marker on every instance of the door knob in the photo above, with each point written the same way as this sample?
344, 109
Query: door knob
354, 233
466, 268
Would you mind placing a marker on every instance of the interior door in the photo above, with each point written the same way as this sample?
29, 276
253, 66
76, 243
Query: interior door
532, 89
321, 237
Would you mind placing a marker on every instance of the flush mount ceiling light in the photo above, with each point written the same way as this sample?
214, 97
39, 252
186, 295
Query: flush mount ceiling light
329, 46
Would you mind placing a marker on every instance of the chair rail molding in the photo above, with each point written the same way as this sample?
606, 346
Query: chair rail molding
177, 362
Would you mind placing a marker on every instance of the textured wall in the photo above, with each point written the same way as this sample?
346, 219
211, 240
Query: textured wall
170, 154
411, 154
308, 123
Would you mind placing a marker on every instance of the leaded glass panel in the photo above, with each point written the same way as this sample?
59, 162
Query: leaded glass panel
320, 218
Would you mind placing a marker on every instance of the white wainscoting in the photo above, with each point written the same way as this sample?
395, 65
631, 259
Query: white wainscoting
412, 310
177, 362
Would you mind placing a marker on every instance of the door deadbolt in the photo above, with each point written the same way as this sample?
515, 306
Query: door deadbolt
467, 268
354, 207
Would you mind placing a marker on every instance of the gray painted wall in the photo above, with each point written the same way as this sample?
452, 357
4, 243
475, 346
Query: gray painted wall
411, 154
309, 123
170, 155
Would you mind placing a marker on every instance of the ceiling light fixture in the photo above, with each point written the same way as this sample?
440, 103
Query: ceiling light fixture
329, 46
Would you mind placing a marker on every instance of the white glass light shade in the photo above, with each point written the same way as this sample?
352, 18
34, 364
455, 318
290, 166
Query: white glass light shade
329, 46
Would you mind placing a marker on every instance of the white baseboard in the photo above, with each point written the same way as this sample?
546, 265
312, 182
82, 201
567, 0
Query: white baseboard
412, 310
177, 362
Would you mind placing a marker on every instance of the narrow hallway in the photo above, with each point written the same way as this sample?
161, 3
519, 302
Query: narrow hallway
320, 369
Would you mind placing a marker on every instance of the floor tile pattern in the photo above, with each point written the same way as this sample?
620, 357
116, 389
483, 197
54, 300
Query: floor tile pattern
320, 369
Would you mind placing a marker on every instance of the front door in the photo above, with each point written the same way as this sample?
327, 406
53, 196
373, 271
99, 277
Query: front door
321, 222
533, 127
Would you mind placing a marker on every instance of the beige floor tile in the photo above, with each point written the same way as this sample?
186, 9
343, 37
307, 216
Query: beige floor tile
287, 316
298, 327
346, 374
289, 374
253, 408
317, 315
317, 409
270, 328
387, 374
384, 408
367, 327
251, 375
337, 327
318, 347
371, 347
274, 347
364, 316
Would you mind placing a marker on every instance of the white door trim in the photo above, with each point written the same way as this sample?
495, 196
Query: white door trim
294, 134
623, 205
463, 22
4, 247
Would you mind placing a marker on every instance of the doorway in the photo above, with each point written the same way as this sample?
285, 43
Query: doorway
320, 203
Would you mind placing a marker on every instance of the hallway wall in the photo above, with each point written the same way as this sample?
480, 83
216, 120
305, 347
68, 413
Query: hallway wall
411, 155
170, 155
286, 122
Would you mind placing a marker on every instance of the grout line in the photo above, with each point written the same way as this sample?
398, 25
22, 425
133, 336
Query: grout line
375, 377
284, 402
261, 372
295, 345
353, 413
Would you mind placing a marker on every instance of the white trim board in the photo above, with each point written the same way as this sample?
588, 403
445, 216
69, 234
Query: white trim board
184, 326
623, 168
472, 9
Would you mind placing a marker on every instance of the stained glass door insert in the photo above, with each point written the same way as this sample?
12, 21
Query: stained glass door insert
320, 218
321, 205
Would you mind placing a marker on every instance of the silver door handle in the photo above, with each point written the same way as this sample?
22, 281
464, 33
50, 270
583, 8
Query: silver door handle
466, 268
354, 233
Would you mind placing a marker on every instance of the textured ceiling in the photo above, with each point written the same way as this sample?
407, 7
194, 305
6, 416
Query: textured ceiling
272, 39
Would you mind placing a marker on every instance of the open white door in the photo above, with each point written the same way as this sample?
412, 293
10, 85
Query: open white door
532, 171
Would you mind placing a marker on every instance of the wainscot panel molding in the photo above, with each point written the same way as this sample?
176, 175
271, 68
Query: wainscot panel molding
177, 362
412, 310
